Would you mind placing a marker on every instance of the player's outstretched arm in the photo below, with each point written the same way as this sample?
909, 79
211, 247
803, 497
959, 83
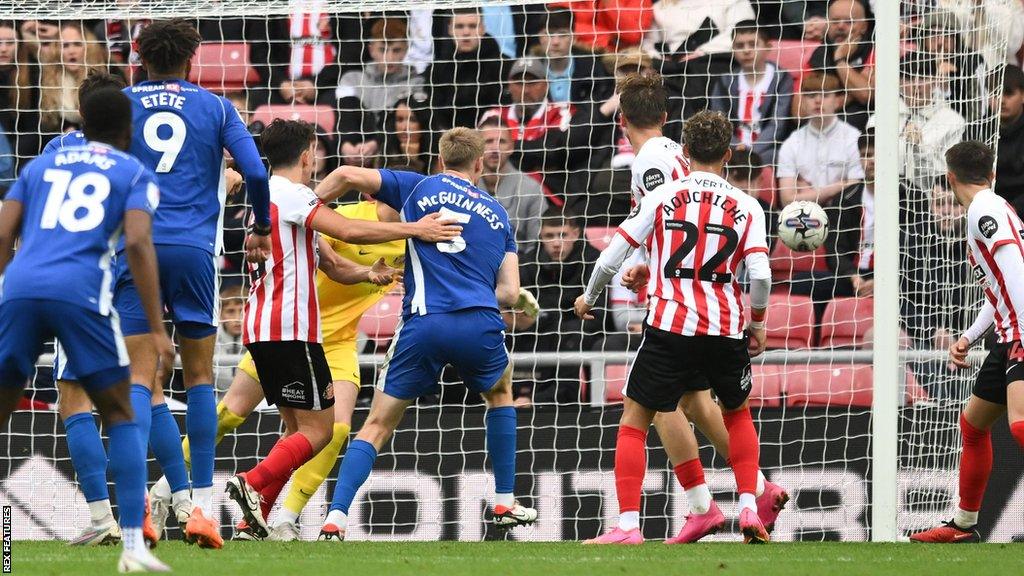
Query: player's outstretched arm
138, 245
507, 287
344, 271
10, 229
345, 178
430, 228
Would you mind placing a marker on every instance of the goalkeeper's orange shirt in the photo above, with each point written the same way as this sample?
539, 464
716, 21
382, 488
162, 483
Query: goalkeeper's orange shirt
341, 306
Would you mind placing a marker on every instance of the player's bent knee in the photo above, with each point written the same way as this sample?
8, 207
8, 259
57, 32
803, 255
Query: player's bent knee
72, 399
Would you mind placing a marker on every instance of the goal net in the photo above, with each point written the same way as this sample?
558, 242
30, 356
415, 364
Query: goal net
382, 80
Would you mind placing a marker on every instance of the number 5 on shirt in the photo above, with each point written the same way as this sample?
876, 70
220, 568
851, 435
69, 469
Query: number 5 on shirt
457, 244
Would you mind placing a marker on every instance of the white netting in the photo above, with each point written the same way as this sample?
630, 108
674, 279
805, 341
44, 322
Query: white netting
382, 102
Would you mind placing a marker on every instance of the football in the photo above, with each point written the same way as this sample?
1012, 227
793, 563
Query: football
803, 226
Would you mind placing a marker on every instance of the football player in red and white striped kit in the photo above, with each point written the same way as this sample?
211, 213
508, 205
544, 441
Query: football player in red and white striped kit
994, 238
282, 314
697, 231
643, 106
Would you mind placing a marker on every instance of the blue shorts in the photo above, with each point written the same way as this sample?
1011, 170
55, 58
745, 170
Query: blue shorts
472, 340
91, 341
188, 287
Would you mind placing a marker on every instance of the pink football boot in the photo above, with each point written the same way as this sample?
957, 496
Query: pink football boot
619, 536
699, 525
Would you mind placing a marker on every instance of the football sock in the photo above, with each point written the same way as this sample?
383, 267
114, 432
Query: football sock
308, 478
88, 457
336, 517
748, 500
132, 539
201, 424
630, 467
500, 424
269, 494
1017, 429
355, 469
760, 482
100, 513
227, 421
691, 477
129, 471
975, 467
165, 440
965, 519
629, 520
744, 451
287, 455
142, 400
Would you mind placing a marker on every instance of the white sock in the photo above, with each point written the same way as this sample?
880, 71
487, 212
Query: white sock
132, 540
965, 519
760, 483
506, 500
337, 517
629, 521
203, 499
162, 488
699, 498
181, 503
101, 514
748, 500
286, 515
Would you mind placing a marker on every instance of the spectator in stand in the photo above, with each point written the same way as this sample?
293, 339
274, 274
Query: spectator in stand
40, 48
366, 93
119, 37
744, 171
820, 159
6, 163
756, 95
229, 333
556, 274
848, 54
610, 25
240, 100
323, 156
929, 126
521, 196
468, 72
574, 75
689, 29
8, 74
1010, 159
409, 137
552, 139
960, 71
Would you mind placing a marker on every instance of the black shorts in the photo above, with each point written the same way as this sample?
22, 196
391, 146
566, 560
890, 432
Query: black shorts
669, 365
293, 374
1003, 365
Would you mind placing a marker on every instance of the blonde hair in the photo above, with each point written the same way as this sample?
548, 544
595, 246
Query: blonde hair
58, 86
461, 147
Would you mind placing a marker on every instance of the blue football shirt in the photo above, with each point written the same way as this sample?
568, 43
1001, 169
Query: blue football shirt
74, 205
463, 273
180, 132
67, 140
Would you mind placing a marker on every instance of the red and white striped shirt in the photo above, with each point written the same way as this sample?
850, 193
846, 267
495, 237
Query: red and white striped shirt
750, 98
658, 161
282, 302
697, 231
312, 45
548, 116
992, 224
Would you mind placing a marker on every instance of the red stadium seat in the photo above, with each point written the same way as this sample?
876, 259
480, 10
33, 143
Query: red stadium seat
381, 320
846, 322
827, 385
792, 55
766, 387
319, 114
785, 262
790, 323
766, 190
614, 382
222, 67
599, 236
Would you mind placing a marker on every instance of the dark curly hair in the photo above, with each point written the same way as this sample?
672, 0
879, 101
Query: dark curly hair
98, 79
707, 136
167, 45
643, 100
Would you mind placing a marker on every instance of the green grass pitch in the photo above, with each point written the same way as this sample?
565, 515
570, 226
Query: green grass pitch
524, 558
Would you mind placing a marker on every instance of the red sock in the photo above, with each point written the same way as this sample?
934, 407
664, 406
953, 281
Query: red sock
975, 465
1017, 429
287, 455
744, 451
269, 495
690, 473
630, 467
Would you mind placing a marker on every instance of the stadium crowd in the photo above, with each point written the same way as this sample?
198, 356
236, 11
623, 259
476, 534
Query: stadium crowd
794, 76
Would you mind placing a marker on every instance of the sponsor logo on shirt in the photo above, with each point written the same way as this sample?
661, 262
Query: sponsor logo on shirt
653, 178
988, 226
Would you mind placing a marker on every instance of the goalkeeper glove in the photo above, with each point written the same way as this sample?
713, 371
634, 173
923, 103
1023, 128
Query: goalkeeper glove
527, 303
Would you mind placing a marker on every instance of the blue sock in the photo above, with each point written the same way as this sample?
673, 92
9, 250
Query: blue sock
201, 425
355, 469
142, 400
129, 471
501, 446
87, 455
165, 440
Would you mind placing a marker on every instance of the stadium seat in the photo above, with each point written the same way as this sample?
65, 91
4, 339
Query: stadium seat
846, 322
790, 322
766, 386
319, 114
827, 385
599, 236
381, 320
792, 55
785, 262
614, 382
766, 189
222, 67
